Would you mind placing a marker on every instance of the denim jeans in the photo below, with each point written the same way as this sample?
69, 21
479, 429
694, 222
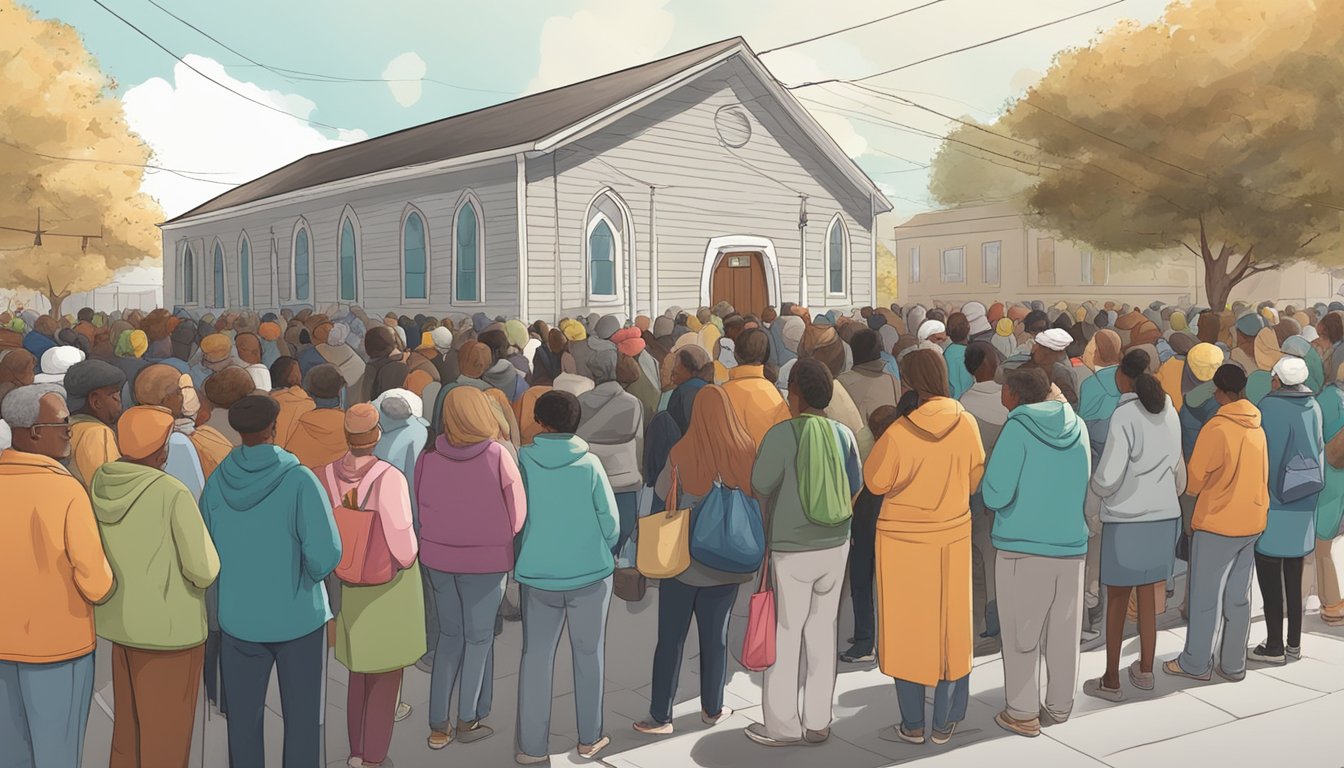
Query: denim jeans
300, 669
950, 698
711, 607
44, 710
545, 614
627, 509
467, 604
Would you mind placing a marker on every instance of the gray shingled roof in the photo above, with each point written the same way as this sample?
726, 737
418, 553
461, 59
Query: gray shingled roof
522, 120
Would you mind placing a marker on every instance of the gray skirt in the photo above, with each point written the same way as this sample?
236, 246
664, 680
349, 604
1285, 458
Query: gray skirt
1134, 554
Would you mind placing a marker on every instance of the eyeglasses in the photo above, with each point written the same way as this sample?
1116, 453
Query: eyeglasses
61, 424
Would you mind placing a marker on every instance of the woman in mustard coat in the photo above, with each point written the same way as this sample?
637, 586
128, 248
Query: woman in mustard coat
926, 466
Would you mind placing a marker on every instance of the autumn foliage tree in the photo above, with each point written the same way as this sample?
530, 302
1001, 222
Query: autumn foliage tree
66, 149
1216, 129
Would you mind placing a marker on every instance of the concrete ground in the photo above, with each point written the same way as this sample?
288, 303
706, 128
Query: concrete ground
1277, 714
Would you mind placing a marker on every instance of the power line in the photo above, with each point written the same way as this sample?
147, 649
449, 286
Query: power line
846, 29
945, 54
147, 166
314, 76
184, 63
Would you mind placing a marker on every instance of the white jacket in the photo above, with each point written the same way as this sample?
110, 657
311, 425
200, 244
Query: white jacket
1142, 473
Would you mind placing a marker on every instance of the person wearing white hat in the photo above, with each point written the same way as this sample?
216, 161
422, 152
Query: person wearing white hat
1291, 419
933, 331
55, 362
1048, 353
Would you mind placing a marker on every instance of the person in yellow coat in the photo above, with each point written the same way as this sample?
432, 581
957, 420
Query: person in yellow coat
926, 466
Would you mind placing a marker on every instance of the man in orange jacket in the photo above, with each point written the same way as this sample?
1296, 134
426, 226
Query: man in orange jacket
52, 569
1229, 472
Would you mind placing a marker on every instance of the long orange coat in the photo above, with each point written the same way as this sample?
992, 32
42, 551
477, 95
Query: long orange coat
926, 466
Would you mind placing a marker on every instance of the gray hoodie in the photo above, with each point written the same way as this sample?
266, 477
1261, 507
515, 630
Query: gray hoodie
613, 426
1141, 474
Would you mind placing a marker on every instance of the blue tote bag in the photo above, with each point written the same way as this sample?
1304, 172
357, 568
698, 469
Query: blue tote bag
727, 533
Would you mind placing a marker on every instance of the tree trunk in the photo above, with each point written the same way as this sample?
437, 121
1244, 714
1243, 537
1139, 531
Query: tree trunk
1225, 269
1217, 284
56, 299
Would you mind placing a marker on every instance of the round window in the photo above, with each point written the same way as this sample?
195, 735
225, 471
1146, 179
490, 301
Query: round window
733, 125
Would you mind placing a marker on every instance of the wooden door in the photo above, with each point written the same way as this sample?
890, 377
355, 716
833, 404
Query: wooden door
739, 279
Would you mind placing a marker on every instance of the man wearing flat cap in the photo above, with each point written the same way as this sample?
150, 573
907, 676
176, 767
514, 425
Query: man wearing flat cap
163, 560
277, 540
93, 395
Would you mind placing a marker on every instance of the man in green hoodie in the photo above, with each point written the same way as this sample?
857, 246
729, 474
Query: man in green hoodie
1036, 482
163, 560
277, 540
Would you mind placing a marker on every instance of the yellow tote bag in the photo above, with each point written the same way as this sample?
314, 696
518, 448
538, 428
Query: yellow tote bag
664, 544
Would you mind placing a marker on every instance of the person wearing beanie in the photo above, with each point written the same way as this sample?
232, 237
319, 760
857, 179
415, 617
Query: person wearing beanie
335, 349
269, 332
439, 352
1049, 352
93, 395
981, 327
163, 560
1229, 475
216, 355
1293, 430
612, 424
386, 369
379, 622
248, 346
272, 525
316, 439
1247, 327
221, 391
55, 362
162, 385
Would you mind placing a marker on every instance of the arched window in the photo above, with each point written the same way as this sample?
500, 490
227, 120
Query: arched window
414, 264
837, 252
301, 260
188, 276
467, 238
221, 297
607, 236
244, 271
349, 257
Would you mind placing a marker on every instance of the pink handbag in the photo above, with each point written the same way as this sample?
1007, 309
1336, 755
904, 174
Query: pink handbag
758, 648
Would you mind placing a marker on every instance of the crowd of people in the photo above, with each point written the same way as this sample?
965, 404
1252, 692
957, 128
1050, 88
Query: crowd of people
221, 498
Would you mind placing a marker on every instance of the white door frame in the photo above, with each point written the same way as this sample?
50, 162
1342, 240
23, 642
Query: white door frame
718, 246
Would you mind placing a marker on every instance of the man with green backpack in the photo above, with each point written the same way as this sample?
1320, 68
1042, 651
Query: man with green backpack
806, 475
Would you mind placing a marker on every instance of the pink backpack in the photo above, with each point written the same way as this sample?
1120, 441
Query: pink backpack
366, 559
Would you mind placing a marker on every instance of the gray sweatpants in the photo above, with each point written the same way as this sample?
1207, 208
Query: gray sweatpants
1221, 569
544, 615
1040, 607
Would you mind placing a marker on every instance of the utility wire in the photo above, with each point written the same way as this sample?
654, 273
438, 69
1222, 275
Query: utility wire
184, 63
945, 54
192, 175
846, 29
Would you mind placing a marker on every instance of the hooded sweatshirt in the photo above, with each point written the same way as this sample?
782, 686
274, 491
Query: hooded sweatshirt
318, 437
571, 518
613, 427
1229, 472
505, 377
927, 465
52, 565
1141, 472
1036, 482
1330, 504
1100, 395
161, 556
776, 481
471, 506
1292, 424
1197, 407
272, 524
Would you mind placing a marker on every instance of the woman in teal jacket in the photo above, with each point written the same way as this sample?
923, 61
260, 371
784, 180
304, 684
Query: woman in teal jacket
1330, 511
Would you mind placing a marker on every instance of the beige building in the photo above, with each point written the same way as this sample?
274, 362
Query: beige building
989, 253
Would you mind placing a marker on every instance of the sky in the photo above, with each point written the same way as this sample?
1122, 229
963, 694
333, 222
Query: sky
406, 62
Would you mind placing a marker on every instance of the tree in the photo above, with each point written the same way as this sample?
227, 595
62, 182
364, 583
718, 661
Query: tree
1215, 129
887, 282
66, 150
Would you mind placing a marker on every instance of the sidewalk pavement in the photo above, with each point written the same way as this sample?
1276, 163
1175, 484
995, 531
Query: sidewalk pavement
1277, 714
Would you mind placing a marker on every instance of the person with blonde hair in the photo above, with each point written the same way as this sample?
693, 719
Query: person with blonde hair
716, 450
471, 505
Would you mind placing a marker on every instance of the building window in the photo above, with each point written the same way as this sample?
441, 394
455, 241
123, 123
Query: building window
914, 265
989, 255
301, 259
188, 276
467, 253
954, 265
1045, 261
349, 253
607, 236
414, 265
244, 271
221, 298
1096, 268
837, 252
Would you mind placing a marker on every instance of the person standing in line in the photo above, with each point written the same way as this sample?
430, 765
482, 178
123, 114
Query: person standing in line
1036, 481
471, 505
862, 555
163, 560
806, 475
959, 379
1229, 473
54, 571
984, 401
1330, 510
272, 525
289, 394
93, 394
565, 567
715, 450
926, 467
1097, 400
757, 401
612, 425
1139, 479
163, 385
378, 628
1292, 424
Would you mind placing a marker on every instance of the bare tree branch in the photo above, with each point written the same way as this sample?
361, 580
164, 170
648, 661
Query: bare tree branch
1192, 250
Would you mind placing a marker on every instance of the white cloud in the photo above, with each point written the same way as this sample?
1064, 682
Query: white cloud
194, 125
602, 36
406, 70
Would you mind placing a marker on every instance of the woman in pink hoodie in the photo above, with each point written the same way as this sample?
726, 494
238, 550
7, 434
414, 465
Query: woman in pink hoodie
471, 504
